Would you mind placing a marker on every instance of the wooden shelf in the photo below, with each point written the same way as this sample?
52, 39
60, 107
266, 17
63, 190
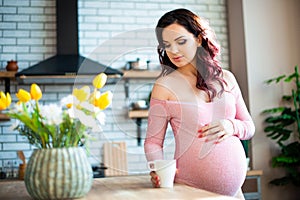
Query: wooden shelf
4, 117
140, 74
138, 114
7, 74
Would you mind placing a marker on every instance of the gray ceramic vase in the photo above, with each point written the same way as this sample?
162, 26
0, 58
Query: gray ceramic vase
58, 173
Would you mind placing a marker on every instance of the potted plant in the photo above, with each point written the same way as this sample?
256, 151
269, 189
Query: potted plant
58, 168
283, 126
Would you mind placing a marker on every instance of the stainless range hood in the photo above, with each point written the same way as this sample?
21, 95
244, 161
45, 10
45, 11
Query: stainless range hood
67, 66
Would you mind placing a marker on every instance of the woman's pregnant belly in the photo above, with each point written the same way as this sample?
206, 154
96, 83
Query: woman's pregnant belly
220, 168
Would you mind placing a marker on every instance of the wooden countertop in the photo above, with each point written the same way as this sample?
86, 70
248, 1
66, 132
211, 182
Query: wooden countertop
123, 187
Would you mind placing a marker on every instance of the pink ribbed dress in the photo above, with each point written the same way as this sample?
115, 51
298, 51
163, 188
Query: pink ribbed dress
220, 168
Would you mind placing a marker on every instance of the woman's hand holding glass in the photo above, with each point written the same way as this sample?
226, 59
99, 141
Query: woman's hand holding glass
155, 179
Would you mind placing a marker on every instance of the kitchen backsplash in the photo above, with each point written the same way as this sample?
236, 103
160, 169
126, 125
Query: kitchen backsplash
111, 32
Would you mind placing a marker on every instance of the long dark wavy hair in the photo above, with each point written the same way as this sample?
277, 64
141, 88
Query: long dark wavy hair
208, 67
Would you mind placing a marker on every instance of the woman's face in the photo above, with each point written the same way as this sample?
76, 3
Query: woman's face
180, 45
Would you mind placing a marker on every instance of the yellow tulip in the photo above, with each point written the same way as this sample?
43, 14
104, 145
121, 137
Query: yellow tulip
100, 80
23, 95
2, 105
5, 100
8, 99
82, 94
104, 100
35, 92
96, 96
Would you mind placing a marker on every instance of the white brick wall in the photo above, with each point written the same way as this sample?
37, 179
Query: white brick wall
111, 32
27, 30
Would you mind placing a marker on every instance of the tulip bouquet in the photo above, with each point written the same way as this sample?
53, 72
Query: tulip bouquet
65, 124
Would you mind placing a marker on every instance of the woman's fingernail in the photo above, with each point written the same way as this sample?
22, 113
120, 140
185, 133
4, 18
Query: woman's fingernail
200, 131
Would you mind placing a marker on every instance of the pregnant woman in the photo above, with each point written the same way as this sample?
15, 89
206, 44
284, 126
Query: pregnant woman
203, 104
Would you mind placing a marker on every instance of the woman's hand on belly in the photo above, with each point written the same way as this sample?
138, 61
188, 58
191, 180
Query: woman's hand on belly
217, 130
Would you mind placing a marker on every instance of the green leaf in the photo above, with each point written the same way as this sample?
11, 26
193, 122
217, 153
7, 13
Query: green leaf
292, 149
280, 181
278, 127
277, 79
274, 110
287, 97
271, 134
285, 118
285, 137
290, 77
275, 137
282, 159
